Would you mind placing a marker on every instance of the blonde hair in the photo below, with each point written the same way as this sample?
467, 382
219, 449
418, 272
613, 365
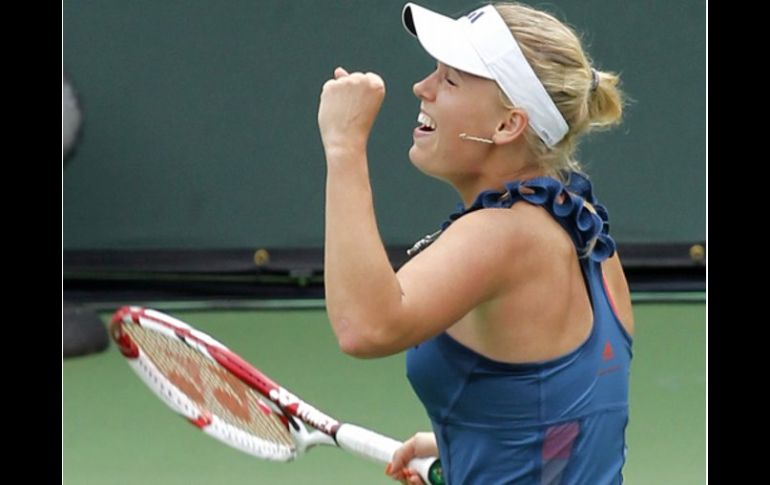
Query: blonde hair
556, 55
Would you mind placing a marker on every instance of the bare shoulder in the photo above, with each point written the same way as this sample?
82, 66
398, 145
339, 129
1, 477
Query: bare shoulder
519, 227
524, 236
481, 239
479, 253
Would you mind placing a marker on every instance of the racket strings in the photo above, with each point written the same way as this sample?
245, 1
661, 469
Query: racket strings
211, 387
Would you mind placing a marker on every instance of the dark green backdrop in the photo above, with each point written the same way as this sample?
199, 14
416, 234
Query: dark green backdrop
200, 119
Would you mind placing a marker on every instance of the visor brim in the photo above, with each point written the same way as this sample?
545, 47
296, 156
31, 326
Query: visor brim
445, 39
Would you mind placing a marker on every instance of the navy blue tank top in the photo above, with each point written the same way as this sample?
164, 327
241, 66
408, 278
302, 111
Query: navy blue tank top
556, 422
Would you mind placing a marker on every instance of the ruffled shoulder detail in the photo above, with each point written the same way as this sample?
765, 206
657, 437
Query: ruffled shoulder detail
567, 204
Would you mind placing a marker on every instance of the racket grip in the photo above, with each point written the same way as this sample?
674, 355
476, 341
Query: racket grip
374, 446
429, 469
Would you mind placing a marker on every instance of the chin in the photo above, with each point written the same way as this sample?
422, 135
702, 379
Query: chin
425, 166
418, 160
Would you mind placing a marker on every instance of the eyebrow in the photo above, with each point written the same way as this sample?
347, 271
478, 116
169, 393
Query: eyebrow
450, 68
459, 73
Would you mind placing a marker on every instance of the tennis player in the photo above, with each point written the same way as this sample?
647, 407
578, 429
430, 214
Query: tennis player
516, 316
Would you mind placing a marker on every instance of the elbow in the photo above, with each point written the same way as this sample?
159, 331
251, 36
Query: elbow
362, 344
356, 347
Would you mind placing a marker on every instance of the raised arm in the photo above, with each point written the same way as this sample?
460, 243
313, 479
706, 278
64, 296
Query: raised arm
359, 279
372, 310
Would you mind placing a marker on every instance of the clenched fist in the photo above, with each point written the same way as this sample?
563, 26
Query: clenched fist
348, 108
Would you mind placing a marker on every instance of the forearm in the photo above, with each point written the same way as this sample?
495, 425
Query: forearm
362, 291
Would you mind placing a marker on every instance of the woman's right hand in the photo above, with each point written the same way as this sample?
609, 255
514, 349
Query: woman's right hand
349, 105
418, 446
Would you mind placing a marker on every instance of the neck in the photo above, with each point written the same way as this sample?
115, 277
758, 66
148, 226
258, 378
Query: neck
494, 172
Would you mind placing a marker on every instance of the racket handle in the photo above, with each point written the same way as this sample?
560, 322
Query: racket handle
429, 469
374, 446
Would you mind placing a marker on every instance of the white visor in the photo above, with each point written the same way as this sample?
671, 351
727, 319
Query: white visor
481, 44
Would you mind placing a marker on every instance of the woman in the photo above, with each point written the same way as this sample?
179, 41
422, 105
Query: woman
517, 316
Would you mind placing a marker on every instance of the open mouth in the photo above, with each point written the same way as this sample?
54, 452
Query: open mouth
427, 124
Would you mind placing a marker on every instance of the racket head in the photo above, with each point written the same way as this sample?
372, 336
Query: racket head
175, 361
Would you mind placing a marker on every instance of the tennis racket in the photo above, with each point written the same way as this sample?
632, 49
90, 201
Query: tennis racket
230, 400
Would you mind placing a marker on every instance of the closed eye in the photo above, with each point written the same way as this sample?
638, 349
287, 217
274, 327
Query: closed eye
451, 83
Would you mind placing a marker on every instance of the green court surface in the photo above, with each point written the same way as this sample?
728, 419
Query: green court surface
116, 432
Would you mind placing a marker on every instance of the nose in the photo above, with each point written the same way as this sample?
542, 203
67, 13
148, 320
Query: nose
425, 89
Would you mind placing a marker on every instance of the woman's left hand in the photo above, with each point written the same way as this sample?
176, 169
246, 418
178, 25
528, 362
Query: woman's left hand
420, 445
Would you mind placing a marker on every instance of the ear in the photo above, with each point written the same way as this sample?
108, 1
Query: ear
511, 127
